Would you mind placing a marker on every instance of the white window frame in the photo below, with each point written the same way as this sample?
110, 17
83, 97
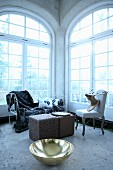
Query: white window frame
35, 17
72, 106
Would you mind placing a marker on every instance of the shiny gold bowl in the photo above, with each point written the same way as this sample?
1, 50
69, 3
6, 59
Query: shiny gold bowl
51, 151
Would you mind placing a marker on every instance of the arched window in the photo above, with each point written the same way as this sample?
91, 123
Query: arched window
91, 55
25, 56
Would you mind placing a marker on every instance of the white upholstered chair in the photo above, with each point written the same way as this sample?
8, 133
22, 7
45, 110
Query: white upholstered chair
97, 112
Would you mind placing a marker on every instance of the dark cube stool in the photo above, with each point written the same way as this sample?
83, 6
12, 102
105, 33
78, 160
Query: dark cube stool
66, 125
43, 126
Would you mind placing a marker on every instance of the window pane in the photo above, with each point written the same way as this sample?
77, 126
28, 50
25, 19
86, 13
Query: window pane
100, 15
4, 18
44, 37
43, 63
75, 52
44, 53
32, 84
15, 48
75, 63
84, 74
32, 34
101, 60
75, 85
3, 72
43, 94
3, 60
3, 47
100, 85
86, 32
85, 49
16, 30
84, 86
32, 51
100, 46
101, 73
17, 19
86, 21
15, 61
3, 85
100, 27
15, 73
42, 29
75, 36
43, 74
32, 73
3, 27
30, 23
15, 84
85, 62
75, 97
32, 62
43, 85
74, 75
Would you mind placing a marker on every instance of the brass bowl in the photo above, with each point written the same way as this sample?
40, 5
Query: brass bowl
51, 151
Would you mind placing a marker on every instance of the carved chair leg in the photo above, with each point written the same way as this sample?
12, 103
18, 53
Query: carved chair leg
83, 122
102, 124
94, 123
76, 122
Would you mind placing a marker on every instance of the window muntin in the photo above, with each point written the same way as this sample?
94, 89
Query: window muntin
25, 27
95, 23
95, 69
38, 70
79, 71
24, 64
103, 70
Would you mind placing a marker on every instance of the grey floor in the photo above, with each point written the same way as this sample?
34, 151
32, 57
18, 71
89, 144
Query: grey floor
92, 152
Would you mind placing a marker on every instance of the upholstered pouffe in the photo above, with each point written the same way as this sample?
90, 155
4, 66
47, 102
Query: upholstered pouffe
66, 125
50, 126
43, 126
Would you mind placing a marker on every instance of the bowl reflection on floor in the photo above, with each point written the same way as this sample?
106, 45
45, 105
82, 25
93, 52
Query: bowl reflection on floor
51, 151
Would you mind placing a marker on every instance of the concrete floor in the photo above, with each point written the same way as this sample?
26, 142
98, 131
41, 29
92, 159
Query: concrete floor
92, 152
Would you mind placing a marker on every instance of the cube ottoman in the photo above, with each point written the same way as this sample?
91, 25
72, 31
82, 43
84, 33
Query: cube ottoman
49, 126
43, 126
66, 125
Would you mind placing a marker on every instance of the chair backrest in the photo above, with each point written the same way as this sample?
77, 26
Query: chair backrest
101, 95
